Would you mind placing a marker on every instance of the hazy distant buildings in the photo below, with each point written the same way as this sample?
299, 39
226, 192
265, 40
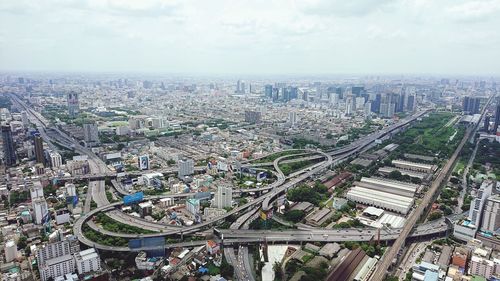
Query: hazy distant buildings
497, 119
253, 117
9, 151
73, 104
471, 105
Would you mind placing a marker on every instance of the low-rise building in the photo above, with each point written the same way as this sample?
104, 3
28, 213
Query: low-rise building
87, 261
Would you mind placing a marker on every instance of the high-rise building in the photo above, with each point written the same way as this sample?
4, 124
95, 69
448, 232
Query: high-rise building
73, 104
39, 155
193, 206
486, 125
477, 205
253, 117
367, 110
36, 191
292, 118
471, 105
223, 198
90, 133
186, 167
55, 159
268, 91
491, 214
10, 250
40, 210
87, 261
497, 119
9, 151
56, 259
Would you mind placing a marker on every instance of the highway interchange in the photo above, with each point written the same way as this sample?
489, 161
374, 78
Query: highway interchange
96, 191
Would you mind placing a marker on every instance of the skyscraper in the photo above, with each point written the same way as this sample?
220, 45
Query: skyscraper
8, 146
224, 197
268, 91
73, 104
471, 105
186, 167
90, 133
497, 119
476, 207
491, 214
39, 155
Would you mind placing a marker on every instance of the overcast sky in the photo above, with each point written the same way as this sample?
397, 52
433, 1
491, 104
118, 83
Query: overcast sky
252, 37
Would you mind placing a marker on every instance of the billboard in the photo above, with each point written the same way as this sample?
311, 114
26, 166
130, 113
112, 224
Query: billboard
144, 162
133, 198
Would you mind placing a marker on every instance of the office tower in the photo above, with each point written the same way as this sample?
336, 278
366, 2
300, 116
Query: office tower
360, 103
55, 159
497, 119
491, 214
90, 133
186, 167
292, 118
56, 259
376, 103
243, 88
39, 155
334, 99
357, 90
9, 153
238, 86
486, 125
294, 93
471, 105
253, 117
367, 110
349, 105
477, 205
40, 210
410, 104
285, 94
73, 104
268, 91
224, 197
25, 119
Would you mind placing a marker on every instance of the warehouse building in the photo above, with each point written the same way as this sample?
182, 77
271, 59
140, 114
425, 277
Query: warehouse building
389, 186
381, 199
413, 166
388, 170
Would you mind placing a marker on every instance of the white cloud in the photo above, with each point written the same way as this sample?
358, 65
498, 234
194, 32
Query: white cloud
259, 36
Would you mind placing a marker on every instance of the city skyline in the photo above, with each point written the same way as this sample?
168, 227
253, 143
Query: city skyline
308, 37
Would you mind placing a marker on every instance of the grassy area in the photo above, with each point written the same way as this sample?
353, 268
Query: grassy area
430, 136
103, 239
488, 153
112, 225
274, 156
290, 168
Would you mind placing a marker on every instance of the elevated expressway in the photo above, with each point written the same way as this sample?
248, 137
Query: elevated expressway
265, 200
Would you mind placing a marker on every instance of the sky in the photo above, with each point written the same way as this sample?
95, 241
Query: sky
252, 37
